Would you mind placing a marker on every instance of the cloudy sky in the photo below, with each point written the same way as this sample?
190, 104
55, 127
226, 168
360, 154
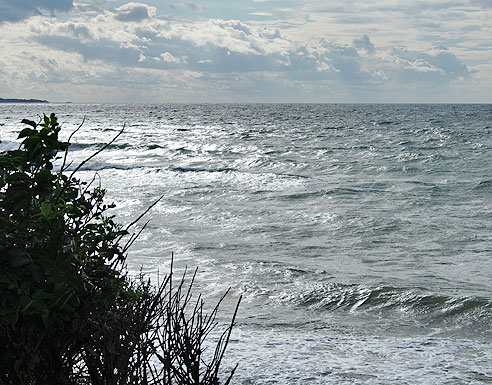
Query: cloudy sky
247, 50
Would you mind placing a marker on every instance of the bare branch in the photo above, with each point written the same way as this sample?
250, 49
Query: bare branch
70, 138
141, 216
86, 160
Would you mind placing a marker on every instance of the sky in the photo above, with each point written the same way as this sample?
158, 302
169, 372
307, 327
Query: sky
310, 51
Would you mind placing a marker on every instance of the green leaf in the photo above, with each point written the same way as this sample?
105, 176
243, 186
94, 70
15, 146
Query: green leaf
29, 122
31, 141
52, 142
26, 132
44, 178
47, 211
20, 260
17, 177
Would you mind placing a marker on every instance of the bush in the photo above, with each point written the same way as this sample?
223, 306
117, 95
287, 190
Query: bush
68, 312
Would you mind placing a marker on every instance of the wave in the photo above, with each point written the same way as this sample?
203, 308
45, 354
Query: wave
97, 146
317, 292
193, 169
100, 165
484, 185
386, 122
338, 191
155, 147
384, 299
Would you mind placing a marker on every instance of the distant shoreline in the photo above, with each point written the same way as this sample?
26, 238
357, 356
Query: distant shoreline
22, 101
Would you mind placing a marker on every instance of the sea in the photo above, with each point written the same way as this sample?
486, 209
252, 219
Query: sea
359, 236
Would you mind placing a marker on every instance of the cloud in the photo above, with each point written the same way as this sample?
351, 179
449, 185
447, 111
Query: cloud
169, 58
211, 46
231, 46
79, 30
487, 4
193, 6
394, 6
14, 10
364, 43
435, 65
114, 48
134, 12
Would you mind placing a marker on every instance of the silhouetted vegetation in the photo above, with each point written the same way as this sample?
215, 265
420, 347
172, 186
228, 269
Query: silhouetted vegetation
23, 101
69, 314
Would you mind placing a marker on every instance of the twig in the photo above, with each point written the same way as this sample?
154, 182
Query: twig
134, 237
86, 160
140, 216
68, 141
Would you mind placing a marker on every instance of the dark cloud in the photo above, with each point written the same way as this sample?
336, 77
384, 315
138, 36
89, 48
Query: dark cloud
471, 28
193, 6
430, 25
364, 43
437, 66
483, 3
78, 30
14, 10
105, 50
347, 64
168, 53
354, 20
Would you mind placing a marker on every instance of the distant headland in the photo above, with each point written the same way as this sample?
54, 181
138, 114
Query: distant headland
22, 101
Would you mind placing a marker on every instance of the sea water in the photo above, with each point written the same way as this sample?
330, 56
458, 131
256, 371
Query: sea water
359, 236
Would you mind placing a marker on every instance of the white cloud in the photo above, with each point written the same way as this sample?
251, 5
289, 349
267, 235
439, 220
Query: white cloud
169, 58
134, 12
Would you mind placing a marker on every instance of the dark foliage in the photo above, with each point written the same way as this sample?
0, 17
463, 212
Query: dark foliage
68, 312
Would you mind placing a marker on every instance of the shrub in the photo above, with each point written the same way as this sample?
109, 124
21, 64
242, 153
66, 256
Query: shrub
68, 312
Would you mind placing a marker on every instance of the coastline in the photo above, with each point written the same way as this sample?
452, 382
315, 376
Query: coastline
23, 101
